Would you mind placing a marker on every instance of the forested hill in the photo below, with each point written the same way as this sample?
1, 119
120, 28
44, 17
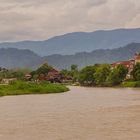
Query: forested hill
15, 58
97, 56
72, 43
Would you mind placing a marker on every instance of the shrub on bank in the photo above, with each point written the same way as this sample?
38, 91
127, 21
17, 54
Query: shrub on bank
131, 84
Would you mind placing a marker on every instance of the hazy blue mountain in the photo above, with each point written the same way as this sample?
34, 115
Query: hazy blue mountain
72, 43
15, 58
96, 56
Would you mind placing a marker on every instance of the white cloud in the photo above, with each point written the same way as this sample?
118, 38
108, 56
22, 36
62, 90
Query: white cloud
41, 19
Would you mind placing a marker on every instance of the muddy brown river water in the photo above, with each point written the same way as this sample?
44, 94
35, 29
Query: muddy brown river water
80, 114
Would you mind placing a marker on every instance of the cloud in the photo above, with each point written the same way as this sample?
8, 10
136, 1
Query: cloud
42, 19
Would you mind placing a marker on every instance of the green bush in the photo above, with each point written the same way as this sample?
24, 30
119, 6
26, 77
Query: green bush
131, 84
86, 76
101, 74
117, 75
136, 72
20, 87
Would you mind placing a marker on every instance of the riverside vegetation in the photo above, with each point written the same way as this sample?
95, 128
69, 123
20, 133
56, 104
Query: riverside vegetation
103, 75
98, 75
22, 87
18, 84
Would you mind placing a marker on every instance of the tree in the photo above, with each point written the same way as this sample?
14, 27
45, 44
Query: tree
122, 71
20, 73
44, 69
86, 75
6, 74
101, 74
74, 68
136, 72
74, 72
65, 72
117, 75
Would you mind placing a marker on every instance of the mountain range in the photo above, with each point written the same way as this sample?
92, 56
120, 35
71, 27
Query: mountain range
16, 58
97, 56
76, 42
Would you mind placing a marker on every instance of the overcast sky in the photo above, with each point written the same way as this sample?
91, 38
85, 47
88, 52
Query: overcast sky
42, 19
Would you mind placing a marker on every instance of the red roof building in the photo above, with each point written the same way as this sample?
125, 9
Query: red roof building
128, 64
52, 76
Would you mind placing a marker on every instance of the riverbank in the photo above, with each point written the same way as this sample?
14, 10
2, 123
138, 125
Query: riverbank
131, 84
22, 88
125, 84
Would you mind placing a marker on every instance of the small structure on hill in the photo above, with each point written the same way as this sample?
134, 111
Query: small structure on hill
53, 76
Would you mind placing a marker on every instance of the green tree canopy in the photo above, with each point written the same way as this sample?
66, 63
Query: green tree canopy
117, 75
86, 75
74, 67
136, 72
101, 74
44, 69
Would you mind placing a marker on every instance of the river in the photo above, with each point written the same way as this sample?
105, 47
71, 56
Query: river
80, 114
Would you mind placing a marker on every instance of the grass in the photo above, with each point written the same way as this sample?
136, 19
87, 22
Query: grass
131, 84
22, 88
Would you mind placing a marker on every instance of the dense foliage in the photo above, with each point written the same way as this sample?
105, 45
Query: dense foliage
136, 72
102, 75
94, 75
20, 87
131, 84
98, 75
117, 75
72, 74
13, 73
86, 76
42, 70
